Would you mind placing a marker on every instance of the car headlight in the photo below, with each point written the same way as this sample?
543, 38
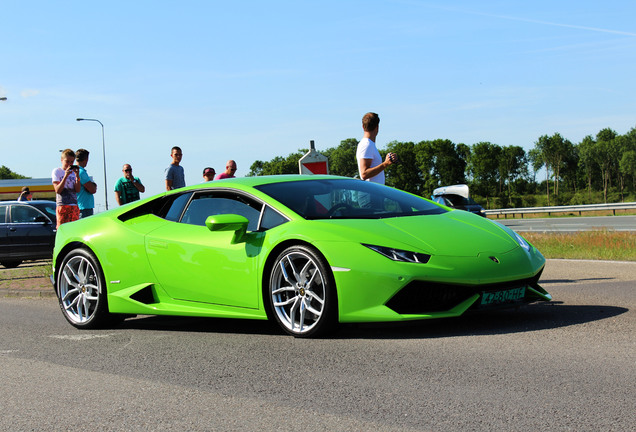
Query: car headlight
399, 254
522, 242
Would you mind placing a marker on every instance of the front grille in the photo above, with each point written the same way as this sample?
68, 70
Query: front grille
420, 297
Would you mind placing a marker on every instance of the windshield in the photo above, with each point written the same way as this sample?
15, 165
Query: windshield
347, 199
459, 201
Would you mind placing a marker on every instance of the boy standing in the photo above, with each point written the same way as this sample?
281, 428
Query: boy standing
175, 176
66, 183
85, 199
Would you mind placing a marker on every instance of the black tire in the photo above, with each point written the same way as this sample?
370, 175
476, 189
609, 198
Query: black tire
11, 263
81, 291
301, 293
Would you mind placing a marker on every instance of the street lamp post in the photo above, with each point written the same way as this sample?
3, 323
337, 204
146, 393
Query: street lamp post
104, 154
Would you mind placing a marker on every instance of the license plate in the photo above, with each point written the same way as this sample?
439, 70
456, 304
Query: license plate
499, 297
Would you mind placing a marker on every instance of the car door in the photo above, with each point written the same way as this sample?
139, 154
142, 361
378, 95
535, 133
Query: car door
30, 233
4, 232
195, 264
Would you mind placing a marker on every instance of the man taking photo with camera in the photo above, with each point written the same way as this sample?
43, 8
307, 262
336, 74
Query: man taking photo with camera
370, 164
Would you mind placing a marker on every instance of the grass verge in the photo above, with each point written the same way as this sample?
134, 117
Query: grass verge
594, 245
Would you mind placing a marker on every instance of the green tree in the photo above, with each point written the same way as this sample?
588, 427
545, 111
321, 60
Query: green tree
587, 164
605, 153
449, 166
513, 164
484, 168
6, 174
551, 152
278, 165
437, 163
342, 159
424, 161
627, 166
405, 174
538, 158
570, 167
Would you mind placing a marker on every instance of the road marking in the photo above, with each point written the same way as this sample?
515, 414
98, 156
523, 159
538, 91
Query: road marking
81, 337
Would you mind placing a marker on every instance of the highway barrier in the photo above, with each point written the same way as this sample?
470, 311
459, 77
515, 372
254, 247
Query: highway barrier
561, 209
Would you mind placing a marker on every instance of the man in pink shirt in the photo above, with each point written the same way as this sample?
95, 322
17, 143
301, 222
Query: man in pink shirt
230, 169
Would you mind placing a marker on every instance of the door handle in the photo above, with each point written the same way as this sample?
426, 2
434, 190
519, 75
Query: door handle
158, 244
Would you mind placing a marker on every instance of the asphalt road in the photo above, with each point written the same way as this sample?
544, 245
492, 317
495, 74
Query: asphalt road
572, 224
567, 365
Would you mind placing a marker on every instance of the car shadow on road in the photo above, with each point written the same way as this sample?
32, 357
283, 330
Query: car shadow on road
569, 281
535, 317
200, 324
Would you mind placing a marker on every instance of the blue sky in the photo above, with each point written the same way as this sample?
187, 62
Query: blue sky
250, 80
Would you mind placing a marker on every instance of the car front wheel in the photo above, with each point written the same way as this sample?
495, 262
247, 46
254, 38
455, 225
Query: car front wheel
81, 290
11, 264
301, 292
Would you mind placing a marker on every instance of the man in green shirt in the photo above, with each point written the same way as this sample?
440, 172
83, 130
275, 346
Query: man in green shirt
128, 187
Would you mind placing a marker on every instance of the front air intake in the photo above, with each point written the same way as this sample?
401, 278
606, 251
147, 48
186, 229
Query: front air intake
421, 297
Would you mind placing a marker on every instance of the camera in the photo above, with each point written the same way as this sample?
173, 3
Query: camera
394, 158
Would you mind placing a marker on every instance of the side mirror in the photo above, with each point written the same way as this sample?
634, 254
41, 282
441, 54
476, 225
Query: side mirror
228, 222
43, 219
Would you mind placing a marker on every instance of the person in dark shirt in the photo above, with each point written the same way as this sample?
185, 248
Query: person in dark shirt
128, 187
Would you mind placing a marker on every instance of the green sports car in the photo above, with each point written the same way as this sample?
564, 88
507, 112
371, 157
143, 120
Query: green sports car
306, 251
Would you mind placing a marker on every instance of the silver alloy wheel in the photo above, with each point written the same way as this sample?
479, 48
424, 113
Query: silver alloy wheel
298, 290
79, 288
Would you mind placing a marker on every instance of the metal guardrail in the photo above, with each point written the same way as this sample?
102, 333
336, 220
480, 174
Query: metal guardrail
561, 209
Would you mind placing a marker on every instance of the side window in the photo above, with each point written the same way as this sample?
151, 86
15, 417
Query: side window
271, 219
3, 212
50, 212
209, 204
23, 214
173, 213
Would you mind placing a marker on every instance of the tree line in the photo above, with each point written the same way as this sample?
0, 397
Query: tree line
6, 174
600, 168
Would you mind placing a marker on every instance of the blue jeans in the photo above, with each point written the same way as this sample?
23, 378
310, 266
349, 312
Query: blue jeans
86, 213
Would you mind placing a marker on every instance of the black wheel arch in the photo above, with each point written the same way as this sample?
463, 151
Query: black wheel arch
269, 263
68, 248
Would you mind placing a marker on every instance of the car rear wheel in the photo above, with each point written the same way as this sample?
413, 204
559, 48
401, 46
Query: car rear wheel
301, 293
81, 290
11, 263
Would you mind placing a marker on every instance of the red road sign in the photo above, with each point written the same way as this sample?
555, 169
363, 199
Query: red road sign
313, 162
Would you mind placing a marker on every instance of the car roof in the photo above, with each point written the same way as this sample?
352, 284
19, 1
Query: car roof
261, 180
32, 202
460, 189
251, 182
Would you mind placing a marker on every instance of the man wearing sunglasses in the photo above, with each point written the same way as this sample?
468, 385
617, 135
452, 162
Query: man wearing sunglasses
230, 170
128, 187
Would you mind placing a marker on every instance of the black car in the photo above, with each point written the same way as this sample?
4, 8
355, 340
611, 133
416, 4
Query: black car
27, 231
456, 196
